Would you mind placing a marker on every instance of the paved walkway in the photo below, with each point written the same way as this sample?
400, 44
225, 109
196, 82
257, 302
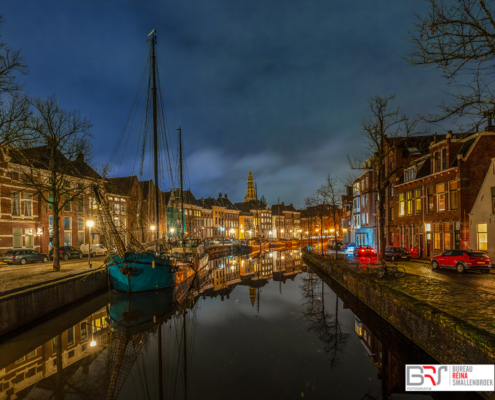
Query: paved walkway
469, 296
462, 301
474, 279
18, 277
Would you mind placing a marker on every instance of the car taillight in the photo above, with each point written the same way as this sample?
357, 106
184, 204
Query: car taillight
14, 256
372, 250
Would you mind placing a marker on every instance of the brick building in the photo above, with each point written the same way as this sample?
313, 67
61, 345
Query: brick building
432, 198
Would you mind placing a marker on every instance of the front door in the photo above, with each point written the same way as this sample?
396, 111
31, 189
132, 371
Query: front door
421, 246
428, 244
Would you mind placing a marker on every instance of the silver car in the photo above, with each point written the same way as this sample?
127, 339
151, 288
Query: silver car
23, 257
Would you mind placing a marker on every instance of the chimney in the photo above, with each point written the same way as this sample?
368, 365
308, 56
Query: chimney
449, 135
435, 137
283, 203
226, 196
220, 195
80, 158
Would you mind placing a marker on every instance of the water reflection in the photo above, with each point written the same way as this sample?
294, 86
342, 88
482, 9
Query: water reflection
320, 321
261, 326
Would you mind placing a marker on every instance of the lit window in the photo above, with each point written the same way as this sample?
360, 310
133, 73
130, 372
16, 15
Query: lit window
441, 196
453, 195
482, 236
401, 205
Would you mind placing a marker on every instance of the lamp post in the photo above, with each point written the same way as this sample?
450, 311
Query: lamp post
153, 227
281, 230
89, 223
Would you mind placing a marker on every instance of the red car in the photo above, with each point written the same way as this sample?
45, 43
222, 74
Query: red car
364, 251
463, 260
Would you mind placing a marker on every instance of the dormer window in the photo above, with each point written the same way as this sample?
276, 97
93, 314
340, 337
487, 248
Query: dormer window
409, 174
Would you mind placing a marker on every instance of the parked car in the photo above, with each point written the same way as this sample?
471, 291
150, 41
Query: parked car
331, 244
23, 257
463, 260
364, 251
349, 248
397, 253
96, 249
67, 252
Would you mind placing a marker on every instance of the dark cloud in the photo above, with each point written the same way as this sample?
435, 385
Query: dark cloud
278, 86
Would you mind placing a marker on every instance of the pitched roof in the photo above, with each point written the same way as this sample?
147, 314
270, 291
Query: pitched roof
278, 209
247, 206
466, 146
211, 202
120, 186
39, 157
225, 202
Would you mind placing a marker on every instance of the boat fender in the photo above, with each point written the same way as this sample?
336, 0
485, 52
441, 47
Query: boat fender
153, 263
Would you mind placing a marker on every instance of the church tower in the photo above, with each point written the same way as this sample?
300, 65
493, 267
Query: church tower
250, 194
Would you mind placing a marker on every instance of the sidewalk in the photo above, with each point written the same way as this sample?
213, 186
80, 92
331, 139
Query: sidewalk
19, 277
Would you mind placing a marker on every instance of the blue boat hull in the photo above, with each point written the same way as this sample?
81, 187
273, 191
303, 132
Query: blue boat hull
143, 276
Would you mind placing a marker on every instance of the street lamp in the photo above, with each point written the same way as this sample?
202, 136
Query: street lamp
89, 223
153, 227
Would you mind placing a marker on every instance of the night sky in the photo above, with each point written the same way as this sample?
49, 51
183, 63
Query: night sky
276, 86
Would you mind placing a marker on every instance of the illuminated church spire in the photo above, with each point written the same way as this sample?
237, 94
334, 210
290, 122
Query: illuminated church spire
250, 193
252, 295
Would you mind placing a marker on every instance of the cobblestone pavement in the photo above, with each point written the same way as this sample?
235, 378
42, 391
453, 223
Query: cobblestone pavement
473, 279
17, 277
469, 296
464, 302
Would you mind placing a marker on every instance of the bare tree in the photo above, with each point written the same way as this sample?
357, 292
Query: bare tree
52, 162
14, 106
385, 130
457, 37
334, 198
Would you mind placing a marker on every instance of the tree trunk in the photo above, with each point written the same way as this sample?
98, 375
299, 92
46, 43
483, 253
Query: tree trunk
56, 237
381, 213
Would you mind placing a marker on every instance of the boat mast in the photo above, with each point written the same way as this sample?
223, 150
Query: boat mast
181, 188
155, 136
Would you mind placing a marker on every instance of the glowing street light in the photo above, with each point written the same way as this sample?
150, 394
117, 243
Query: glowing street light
153, 227
93, 343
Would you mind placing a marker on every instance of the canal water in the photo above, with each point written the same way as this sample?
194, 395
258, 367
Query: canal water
252, 327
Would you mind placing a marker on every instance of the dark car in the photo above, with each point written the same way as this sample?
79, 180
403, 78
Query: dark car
463, 260
364, 251
331, 244
23, 257
397, 253
67, 252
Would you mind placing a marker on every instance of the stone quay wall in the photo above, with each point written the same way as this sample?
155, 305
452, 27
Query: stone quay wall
26, 306
445, 337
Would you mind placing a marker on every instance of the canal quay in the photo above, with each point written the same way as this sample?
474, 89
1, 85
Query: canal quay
264, 325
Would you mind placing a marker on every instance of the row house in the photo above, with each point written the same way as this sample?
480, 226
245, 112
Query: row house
363, 209
482, 216
230, 223
286, 221
218, 217
262, 217
432, 198
27, 219
246, 225
347, 202
319, 221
